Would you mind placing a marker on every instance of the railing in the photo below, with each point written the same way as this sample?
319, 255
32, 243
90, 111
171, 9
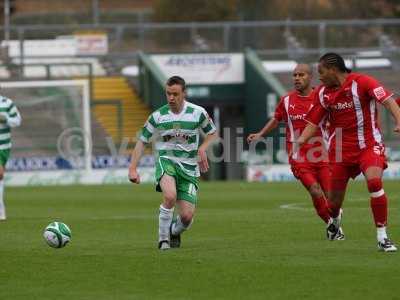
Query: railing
315, 36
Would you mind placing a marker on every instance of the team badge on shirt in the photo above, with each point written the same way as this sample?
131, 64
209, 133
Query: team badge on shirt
379, 93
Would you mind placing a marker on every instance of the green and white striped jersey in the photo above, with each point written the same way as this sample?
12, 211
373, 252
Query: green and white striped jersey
9, 117
177, 136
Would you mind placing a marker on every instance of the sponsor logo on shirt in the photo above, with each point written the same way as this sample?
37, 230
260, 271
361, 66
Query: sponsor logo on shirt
297, 117
379, 92
177, 137
343, 105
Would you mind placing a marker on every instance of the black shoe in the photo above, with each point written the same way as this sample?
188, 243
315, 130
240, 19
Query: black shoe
175, 240
163, 245
331, 231
387, 246
333, 227
340, 235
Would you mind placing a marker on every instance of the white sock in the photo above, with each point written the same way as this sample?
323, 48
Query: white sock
381, 233
178, 227
2, 205
164, 222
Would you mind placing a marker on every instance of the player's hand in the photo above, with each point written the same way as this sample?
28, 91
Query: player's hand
134, 176
3, 117
253, 137
203, 162
397, 128
295, 147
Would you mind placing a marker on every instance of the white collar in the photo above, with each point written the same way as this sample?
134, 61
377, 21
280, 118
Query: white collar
182, 111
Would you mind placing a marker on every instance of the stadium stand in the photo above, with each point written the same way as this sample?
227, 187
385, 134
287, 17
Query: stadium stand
116, 105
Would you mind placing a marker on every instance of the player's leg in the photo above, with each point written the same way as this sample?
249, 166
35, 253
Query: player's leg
373, 170
187, 199
340, 175
319, 200
185, 217
324, 180
2, 204
168, 187
183, 221
308, 177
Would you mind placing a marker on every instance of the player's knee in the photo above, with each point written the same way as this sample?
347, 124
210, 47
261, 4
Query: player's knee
374, 185
336, 196
315, 190
186, 217
169, 198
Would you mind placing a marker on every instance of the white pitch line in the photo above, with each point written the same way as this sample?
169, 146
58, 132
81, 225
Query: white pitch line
298, 206
294, 206
122, 218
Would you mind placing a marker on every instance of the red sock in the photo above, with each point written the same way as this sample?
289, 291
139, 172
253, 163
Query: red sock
379, 210
378, 201
333, 209
321, 206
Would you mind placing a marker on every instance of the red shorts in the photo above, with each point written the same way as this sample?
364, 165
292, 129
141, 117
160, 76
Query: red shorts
341, 172
311, 173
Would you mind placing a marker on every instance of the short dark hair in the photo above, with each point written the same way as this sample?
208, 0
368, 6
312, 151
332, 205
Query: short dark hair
177, 80
334, 60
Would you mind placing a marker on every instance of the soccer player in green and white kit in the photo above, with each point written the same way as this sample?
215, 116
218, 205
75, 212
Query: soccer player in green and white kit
9, 117
177, 125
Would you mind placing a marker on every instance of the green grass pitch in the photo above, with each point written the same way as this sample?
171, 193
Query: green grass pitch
248, 241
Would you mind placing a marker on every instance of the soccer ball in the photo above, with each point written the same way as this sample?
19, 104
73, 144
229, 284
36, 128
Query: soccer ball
57, 234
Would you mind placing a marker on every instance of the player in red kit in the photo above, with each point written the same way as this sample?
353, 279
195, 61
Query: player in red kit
350, 100
310, 164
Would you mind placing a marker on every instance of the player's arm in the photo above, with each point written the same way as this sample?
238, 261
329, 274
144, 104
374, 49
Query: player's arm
313, 119
208, 127
203, 161
271, 124
279, 115
383, 96
391, 105
146, 135
135, 158
12, 117
308, 132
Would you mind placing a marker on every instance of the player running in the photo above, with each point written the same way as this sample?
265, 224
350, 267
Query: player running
356, 144
9, 117
176, 126
309, 165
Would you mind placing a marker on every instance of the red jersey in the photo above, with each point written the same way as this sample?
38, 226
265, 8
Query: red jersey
292, 109
351, 109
